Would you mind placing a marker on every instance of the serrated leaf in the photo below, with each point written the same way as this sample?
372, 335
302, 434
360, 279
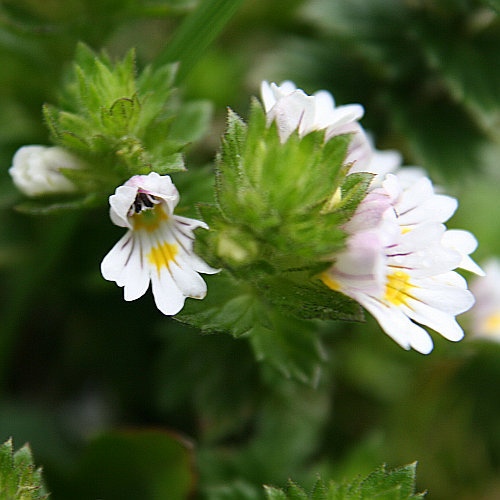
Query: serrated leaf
47, 206
291, 346
319, 491
118, 121
398, 484
302, 295
354, 190
228, 307
295, 492
8, 482
274, 493
19, 479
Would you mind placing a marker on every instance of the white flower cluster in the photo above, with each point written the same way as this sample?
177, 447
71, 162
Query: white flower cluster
399, 259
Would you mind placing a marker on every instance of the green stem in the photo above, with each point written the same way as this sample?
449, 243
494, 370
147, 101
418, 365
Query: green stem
196, 33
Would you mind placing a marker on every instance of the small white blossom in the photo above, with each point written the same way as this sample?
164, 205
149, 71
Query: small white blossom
484, 317
293, 109
399, 262
158, 246
36, 170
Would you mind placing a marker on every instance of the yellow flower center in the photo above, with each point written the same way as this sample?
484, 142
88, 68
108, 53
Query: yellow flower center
491, 324
149, 219
397, 288
162, 255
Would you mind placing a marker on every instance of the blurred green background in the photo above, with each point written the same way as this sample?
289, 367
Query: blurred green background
111, 393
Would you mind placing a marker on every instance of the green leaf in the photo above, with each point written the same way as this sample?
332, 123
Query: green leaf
197, 32
134, 464
290, 345
354, 190
433, 142
398, 484
473, 80
274, 493
19, 479
304, 296
192, 124
45, 206
495, 4
228, 307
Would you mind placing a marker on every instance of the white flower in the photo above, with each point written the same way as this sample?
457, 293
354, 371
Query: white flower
399, 262
485, 315
365, 158
293, 109
36, 170
158, 246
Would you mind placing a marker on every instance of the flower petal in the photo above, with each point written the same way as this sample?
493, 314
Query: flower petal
120, 204
113, 264
137, 273
465, 243
189, 282
442, 322
168, 298
398, 326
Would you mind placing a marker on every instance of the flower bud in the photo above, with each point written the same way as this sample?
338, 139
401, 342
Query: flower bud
36, 170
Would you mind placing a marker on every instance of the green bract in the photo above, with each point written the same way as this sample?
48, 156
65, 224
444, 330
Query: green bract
398, 484
19, 479
276, 225
275, 209
121, 123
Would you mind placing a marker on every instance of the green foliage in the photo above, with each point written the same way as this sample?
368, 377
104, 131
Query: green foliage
289, 344
197, 32
76, 360
19, 479
397, 484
